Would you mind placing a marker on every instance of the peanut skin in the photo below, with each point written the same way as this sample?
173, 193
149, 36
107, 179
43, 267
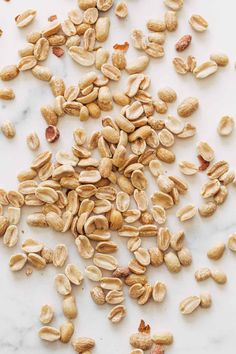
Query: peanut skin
183, 43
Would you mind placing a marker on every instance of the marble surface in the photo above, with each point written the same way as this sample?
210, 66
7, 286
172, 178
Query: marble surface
206, 331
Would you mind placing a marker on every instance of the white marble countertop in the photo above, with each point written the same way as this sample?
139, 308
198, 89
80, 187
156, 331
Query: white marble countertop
204, 332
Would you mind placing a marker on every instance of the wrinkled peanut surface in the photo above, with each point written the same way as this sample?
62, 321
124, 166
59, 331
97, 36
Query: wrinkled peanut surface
139, 173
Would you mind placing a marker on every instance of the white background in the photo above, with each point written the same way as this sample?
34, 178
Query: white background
204, 332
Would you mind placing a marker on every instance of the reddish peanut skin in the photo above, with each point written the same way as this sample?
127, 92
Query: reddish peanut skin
58, 51
157, 349
51, 133
183, 43
121, 272
203, 164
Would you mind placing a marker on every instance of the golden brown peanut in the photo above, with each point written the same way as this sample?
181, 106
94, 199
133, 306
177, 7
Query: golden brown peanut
134, 243
60, 255
188, 131
50, 334
135, 278
164, 338
221, 196
174, 125
205, 151
133, 85
102, 29
165, 155
137, 351
42, 73
163, 240
90, 16
218, 169
10, 236
46, 314
114, 297
154, 50
69, 307
167, 94
13, 215
17, 262
142, 256
177, 241
37, 220
180, 66
155, 37
187, 212
8, 129
36, 260
156, 256
210, 188
190, 304
57, 40
138, 65
136, 290
162, 199
205, 69
117, 313
141, 340
7, 94
206, 300
232, 242
31, 246
105, 261
221, 59
136, 267
187, 107
156, 25
66, 332
105, 99
33, 37
121, 9
73, 41
174, 4
9, 72
52, 29
146, 296
101, 57
171, 21
27, 63
109, 283
111, 72
57, 86
119, 59
25, 18
41, 49
68, 28
86, 4
217, 251
84, 247
4, 223
225, 126
219, 276
82, 344
26, 51
202, 274
104, 5
198, 23
165, 184
172, 262
98, 295
49, 115
188, 168
159, 292
54, 221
